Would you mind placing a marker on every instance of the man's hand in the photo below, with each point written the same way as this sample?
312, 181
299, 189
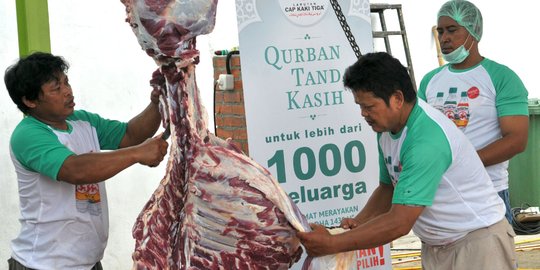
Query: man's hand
348, 223
317, 242
154, 96
152, 151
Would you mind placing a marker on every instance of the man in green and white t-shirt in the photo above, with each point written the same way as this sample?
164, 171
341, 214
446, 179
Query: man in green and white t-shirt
56, 152
431, 180
485, 99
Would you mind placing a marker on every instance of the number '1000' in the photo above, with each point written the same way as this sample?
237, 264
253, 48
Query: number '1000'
352, 149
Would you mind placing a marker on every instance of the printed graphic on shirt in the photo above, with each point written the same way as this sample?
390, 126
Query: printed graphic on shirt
393, 169
473, 92
454, 107
88, 199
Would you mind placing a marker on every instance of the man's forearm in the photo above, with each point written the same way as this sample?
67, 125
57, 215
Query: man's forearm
379, 203
96, 167
377, 231
142, 126
497, 152
514, 131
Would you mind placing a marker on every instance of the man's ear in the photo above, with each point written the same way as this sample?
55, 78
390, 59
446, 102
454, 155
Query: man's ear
29, 103
398, 99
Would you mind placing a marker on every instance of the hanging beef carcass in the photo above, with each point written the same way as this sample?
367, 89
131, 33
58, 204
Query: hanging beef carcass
215, 208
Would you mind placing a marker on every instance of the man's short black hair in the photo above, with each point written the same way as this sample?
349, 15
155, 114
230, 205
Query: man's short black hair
25, 78
381, 74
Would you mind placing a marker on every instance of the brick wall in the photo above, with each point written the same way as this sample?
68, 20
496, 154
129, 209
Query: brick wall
229, 113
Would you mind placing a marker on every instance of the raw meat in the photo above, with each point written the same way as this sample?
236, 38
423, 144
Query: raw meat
215, 208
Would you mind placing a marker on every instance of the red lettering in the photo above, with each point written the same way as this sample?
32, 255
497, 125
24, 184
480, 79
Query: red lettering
368, 258
381, 254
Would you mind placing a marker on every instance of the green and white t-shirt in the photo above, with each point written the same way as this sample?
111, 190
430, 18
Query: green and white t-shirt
63, 226
431, 163
474, 99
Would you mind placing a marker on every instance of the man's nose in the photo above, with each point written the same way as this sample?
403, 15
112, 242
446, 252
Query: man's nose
67, 90
363, 113
444, 37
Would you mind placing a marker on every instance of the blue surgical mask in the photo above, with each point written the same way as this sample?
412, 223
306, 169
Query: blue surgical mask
458, 55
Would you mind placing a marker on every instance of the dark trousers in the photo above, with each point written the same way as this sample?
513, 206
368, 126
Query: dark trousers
15, 265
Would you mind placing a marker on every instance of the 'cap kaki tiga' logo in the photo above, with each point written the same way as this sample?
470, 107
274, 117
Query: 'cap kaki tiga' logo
473, 92
304, 12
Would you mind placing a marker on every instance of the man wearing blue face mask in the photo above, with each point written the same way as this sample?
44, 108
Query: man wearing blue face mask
485, 99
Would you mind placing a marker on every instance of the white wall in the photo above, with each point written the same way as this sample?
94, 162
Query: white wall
110, 73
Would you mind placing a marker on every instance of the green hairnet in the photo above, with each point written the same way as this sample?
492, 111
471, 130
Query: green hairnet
465, 14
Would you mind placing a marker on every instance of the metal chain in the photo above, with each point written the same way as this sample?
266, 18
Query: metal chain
343, 21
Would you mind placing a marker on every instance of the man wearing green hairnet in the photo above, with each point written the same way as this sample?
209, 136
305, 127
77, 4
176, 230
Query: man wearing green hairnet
485, 99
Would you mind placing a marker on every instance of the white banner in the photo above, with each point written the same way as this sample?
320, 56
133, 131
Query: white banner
302, 124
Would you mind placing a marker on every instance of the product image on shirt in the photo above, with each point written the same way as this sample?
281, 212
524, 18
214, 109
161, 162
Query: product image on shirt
88, 199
